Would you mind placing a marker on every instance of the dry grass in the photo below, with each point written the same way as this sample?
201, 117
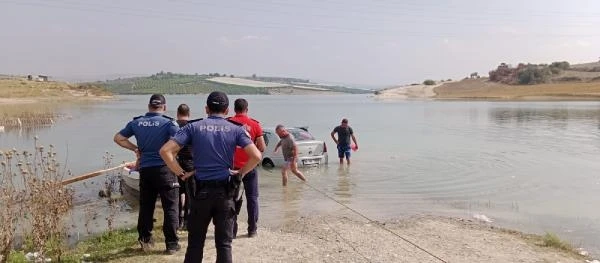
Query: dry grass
579, 74
23, 88
552, 240
34, 201
483, 89
30, 115
586, 65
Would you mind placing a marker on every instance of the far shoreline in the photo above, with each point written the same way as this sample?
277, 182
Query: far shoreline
483, 90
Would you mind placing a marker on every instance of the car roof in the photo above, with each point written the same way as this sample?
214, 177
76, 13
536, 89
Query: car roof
290, 128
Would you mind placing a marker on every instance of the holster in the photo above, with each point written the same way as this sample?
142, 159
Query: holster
238, 201
238, 205
233, 187
190, 185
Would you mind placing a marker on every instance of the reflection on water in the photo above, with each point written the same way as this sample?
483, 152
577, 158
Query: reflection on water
27, 119
24, 132
92, 213
291, 196
343, 189
557, 117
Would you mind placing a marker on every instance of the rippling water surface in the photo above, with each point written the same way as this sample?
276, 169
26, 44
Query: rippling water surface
532, 166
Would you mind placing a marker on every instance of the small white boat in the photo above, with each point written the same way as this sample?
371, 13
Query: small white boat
131, 178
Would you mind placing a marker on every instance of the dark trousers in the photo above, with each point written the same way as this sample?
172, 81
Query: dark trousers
251, 191
216, 203
184, 207
158, 180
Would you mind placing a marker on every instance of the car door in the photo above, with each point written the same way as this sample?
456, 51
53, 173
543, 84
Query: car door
271, 140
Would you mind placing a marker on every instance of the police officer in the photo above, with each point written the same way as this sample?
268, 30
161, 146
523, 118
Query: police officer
213, 142
151, 132
251, 179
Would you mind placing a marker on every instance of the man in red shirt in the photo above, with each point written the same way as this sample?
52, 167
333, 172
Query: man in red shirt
240, 158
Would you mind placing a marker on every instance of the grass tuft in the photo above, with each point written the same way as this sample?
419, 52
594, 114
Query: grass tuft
552, 240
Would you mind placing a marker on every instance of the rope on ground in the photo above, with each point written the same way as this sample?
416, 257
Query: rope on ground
376, 223
372, 221
346, 241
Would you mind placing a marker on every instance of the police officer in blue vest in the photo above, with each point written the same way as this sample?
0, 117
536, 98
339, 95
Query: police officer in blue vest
151, 132
213, 142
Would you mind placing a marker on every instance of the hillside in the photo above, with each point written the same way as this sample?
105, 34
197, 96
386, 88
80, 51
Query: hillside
171, 83
558, 80
586, 65
555, 81
485, 89
532, 74
15, 88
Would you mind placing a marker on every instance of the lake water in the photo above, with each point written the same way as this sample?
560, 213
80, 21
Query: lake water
532, 166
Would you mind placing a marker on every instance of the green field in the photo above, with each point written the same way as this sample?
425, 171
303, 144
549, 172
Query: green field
172, 83
168, 83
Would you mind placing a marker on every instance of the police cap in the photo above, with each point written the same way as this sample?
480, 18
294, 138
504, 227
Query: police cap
157, 100
217, 101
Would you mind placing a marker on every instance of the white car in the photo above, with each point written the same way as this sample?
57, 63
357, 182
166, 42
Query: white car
310, 150
131, 178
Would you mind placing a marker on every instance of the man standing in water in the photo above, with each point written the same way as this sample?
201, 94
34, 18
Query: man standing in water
290, 154
344, 133
213, 141
251, 179
151, 131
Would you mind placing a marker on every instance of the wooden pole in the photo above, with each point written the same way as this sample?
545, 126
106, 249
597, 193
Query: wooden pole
90, 175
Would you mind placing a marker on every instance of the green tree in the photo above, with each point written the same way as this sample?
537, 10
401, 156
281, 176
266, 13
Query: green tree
429, 82
563, 65
534, 74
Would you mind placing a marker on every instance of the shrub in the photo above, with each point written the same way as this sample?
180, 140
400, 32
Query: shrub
552, 240
429, 82
563, 65
32, 194
533, 74
527, 74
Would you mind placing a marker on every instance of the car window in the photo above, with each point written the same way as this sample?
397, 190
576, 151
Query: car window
301, 135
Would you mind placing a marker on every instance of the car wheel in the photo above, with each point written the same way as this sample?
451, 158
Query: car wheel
268, 163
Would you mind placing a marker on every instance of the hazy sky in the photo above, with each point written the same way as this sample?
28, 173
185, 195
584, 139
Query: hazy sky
350, 41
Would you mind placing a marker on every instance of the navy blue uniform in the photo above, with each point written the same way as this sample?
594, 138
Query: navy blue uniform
213, 141
151, 132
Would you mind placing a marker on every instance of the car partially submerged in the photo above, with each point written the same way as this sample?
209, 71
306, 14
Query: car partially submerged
310, 150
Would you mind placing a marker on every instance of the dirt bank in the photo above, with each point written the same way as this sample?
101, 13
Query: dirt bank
344, 238
407, 92
16, 90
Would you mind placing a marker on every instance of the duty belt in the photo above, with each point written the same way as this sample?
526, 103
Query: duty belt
211, 183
